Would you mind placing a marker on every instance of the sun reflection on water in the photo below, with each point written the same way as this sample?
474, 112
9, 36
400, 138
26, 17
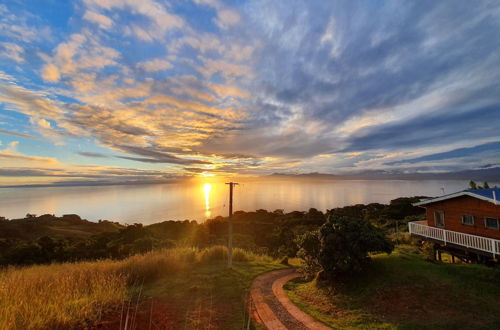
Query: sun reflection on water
207, 188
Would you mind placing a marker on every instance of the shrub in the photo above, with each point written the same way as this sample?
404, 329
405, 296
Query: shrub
309, 247
213, 253
346, 242
241, 255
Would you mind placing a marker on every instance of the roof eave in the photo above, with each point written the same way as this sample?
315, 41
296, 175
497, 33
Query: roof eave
458, 194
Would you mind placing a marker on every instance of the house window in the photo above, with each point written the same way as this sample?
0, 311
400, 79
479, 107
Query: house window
491, 223
439, 218
468, 219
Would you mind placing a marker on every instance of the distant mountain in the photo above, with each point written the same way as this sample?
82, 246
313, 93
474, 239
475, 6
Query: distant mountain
94, 183
306, 175
488, 174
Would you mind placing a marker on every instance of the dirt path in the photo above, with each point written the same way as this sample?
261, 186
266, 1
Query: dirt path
272, 307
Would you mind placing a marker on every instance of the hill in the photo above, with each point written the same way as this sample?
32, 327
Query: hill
68, 226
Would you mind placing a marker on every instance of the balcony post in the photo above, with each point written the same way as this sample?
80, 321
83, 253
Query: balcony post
493, 248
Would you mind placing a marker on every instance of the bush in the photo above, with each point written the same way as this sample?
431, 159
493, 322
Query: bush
241, 255
346, 242
213, 254
309, 248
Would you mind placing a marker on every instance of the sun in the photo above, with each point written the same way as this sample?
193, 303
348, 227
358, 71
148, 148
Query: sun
207, 187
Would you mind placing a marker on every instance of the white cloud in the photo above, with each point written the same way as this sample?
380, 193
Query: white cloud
83, 51
155, 65
12, 51
162, 21
226, 18
103, 21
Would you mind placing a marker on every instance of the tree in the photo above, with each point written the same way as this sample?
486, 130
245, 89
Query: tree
346, 242
486, 185
472, 185
308, 250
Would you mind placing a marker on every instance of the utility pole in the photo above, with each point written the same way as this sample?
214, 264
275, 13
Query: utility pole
230, 228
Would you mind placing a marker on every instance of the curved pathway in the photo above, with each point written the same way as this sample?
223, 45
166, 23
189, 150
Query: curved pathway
272, 307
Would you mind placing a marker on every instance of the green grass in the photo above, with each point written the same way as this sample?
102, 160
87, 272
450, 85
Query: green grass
402, 291
209, 296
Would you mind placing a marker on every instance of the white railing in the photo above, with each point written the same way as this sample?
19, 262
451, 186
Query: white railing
447, 236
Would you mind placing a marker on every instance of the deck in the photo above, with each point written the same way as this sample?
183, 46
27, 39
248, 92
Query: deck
478, 244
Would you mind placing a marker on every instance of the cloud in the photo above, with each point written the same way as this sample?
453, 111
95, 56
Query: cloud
155, 65
227, 69
103, 21
29, 102
12, 51
299, 86
92, 154
27, 136
21, 28
154, 156
161, 20
83, 52
475, 151
50, 73
226, 18
11, 156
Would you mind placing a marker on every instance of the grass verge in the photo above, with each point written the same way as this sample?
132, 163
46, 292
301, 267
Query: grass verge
402, 291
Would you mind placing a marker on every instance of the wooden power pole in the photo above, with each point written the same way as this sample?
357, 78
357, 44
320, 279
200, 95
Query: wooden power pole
230, 227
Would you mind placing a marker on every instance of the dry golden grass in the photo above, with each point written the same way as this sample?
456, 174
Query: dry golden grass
76, 294
58, 296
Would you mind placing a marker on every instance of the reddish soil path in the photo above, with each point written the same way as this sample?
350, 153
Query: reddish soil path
272, 307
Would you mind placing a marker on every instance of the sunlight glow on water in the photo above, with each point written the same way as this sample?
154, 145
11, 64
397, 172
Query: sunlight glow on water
207, 197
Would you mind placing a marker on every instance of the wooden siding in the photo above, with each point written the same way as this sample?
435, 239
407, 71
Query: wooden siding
456, 207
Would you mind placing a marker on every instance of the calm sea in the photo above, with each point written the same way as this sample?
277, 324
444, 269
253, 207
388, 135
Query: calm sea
202, 199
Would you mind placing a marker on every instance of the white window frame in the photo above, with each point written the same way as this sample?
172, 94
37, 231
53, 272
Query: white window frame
468, 224
486, 223
435, 218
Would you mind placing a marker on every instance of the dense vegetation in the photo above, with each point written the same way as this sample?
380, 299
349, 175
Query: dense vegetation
46, 238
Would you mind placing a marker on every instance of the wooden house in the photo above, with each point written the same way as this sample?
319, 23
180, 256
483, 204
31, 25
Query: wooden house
465, 223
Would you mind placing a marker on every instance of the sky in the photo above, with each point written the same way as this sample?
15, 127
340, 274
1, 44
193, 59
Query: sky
146, 90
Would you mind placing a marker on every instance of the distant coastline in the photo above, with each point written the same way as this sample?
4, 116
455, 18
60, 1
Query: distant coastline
491, 175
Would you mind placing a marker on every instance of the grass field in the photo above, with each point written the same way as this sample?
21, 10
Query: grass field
402, 291
174, 287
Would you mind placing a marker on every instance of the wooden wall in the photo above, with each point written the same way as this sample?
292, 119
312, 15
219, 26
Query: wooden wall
454, 209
